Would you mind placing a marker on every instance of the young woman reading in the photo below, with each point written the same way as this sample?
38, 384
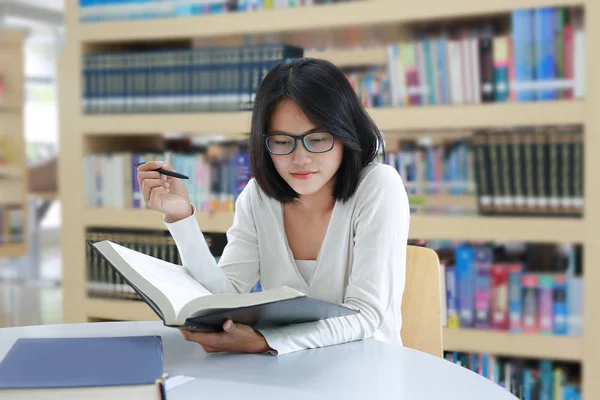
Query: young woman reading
320, 215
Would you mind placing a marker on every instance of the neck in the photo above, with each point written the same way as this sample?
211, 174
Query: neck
319, 203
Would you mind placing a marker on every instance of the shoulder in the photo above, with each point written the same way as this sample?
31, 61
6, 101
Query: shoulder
252, 197
381, 178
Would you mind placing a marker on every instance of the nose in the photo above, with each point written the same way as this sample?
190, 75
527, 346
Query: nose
300, 155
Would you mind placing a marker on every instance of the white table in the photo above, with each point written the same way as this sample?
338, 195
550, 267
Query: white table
360, 370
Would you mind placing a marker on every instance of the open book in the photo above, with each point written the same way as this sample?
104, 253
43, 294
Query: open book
181, 301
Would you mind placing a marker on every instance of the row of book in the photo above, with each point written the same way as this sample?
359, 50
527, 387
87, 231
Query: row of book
532, 288
215, 177
12, 224
434, 168
525, 378
103, 281
530, 171
223, 78
540, 59
116, 10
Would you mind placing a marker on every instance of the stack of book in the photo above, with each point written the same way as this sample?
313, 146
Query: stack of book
530, 171
171, 80
526, 379
529, 288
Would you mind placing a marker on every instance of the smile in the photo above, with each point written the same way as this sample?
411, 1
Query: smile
302, 175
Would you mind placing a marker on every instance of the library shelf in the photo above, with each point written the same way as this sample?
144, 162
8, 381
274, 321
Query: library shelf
388, 119
11, 192
13, 250
46, 196
444, 201
568, 348
483, 228
228, 124
217, 222
421, 226
366, 14
344, 58
117, 309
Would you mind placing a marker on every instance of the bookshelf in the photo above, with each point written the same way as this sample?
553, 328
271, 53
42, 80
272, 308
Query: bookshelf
13, 166
382, 18
388, 119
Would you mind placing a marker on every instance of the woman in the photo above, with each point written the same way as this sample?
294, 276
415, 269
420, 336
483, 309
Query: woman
320, 215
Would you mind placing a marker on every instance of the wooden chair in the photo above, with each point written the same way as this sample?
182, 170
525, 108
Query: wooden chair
421, 303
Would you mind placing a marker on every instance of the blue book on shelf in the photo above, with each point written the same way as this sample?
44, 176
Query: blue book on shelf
465, 258
54, 363
544, 53
522, 35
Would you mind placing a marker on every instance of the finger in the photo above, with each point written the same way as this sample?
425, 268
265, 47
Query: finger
155, 193
149, 184
141, 176
228, 326
150, 165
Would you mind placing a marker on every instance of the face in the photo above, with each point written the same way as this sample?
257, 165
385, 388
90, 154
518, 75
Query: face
307, 173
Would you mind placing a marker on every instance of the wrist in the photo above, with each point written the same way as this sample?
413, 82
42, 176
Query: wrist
176, 217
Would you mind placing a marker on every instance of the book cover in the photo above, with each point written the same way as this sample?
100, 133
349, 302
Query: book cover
85, 362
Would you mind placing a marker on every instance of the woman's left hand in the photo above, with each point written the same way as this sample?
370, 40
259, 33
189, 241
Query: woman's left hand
235, 338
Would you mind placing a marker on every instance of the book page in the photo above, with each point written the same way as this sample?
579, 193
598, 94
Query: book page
171, 279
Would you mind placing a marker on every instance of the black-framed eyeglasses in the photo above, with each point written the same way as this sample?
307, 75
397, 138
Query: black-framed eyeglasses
282, 144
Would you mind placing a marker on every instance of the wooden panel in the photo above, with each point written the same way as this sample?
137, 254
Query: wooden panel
550, 230
516, 345
119, 310
150, 219
389, 120
13, 250
352, 57
591, 250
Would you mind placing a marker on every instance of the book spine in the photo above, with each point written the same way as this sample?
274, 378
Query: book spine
515, 272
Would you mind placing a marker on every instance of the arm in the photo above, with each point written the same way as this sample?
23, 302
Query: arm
376, 281
238, 268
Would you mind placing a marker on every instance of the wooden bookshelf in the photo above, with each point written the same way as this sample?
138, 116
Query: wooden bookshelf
150, 219
13, 250
13, 175
514, 345
377, 17
120, 310
421, 227
476, 228
367, 14
352, 57
236, 124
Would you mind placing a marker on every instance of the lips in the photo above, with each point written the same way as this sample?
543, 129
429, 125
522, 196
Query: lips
302, 175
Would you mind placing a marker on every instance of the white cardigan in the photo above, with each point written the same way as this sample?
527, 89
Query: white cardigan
362, 261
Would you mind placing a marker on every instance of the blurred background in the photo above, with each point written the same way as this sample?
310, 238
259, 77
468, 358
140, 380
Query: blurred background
485, 106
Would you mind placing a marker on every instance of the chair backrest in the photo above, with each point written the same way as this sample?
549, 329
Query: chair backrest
421, 303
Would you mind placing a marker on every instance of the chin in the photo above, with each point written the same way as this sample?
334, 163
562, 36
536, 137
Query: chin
306, 188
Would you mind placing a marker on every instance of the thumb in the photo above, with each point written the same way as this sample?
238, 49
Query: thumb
228, 326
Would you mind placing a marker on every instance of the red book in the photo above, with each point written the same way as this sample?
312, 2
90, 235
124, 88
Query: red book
568, 60
499, 297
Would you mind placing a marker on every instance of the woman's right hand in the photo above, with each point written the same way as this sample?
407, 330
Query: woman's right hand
164, 193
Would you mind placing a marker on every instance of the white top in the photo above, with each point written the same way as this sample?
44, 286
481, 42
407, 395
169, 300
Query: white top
306, 268
362, 261
362, 370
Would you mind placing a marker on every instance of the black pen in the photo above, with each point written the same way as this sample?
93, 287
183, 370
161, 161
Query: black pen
169, 173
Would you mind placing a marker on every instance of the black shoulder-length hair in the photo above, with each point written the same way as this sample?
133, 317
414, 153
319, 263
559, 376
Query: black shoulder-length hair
323, 93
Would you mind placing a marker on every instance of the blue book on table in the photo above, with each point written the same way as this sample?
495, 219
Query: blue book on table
130, 365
